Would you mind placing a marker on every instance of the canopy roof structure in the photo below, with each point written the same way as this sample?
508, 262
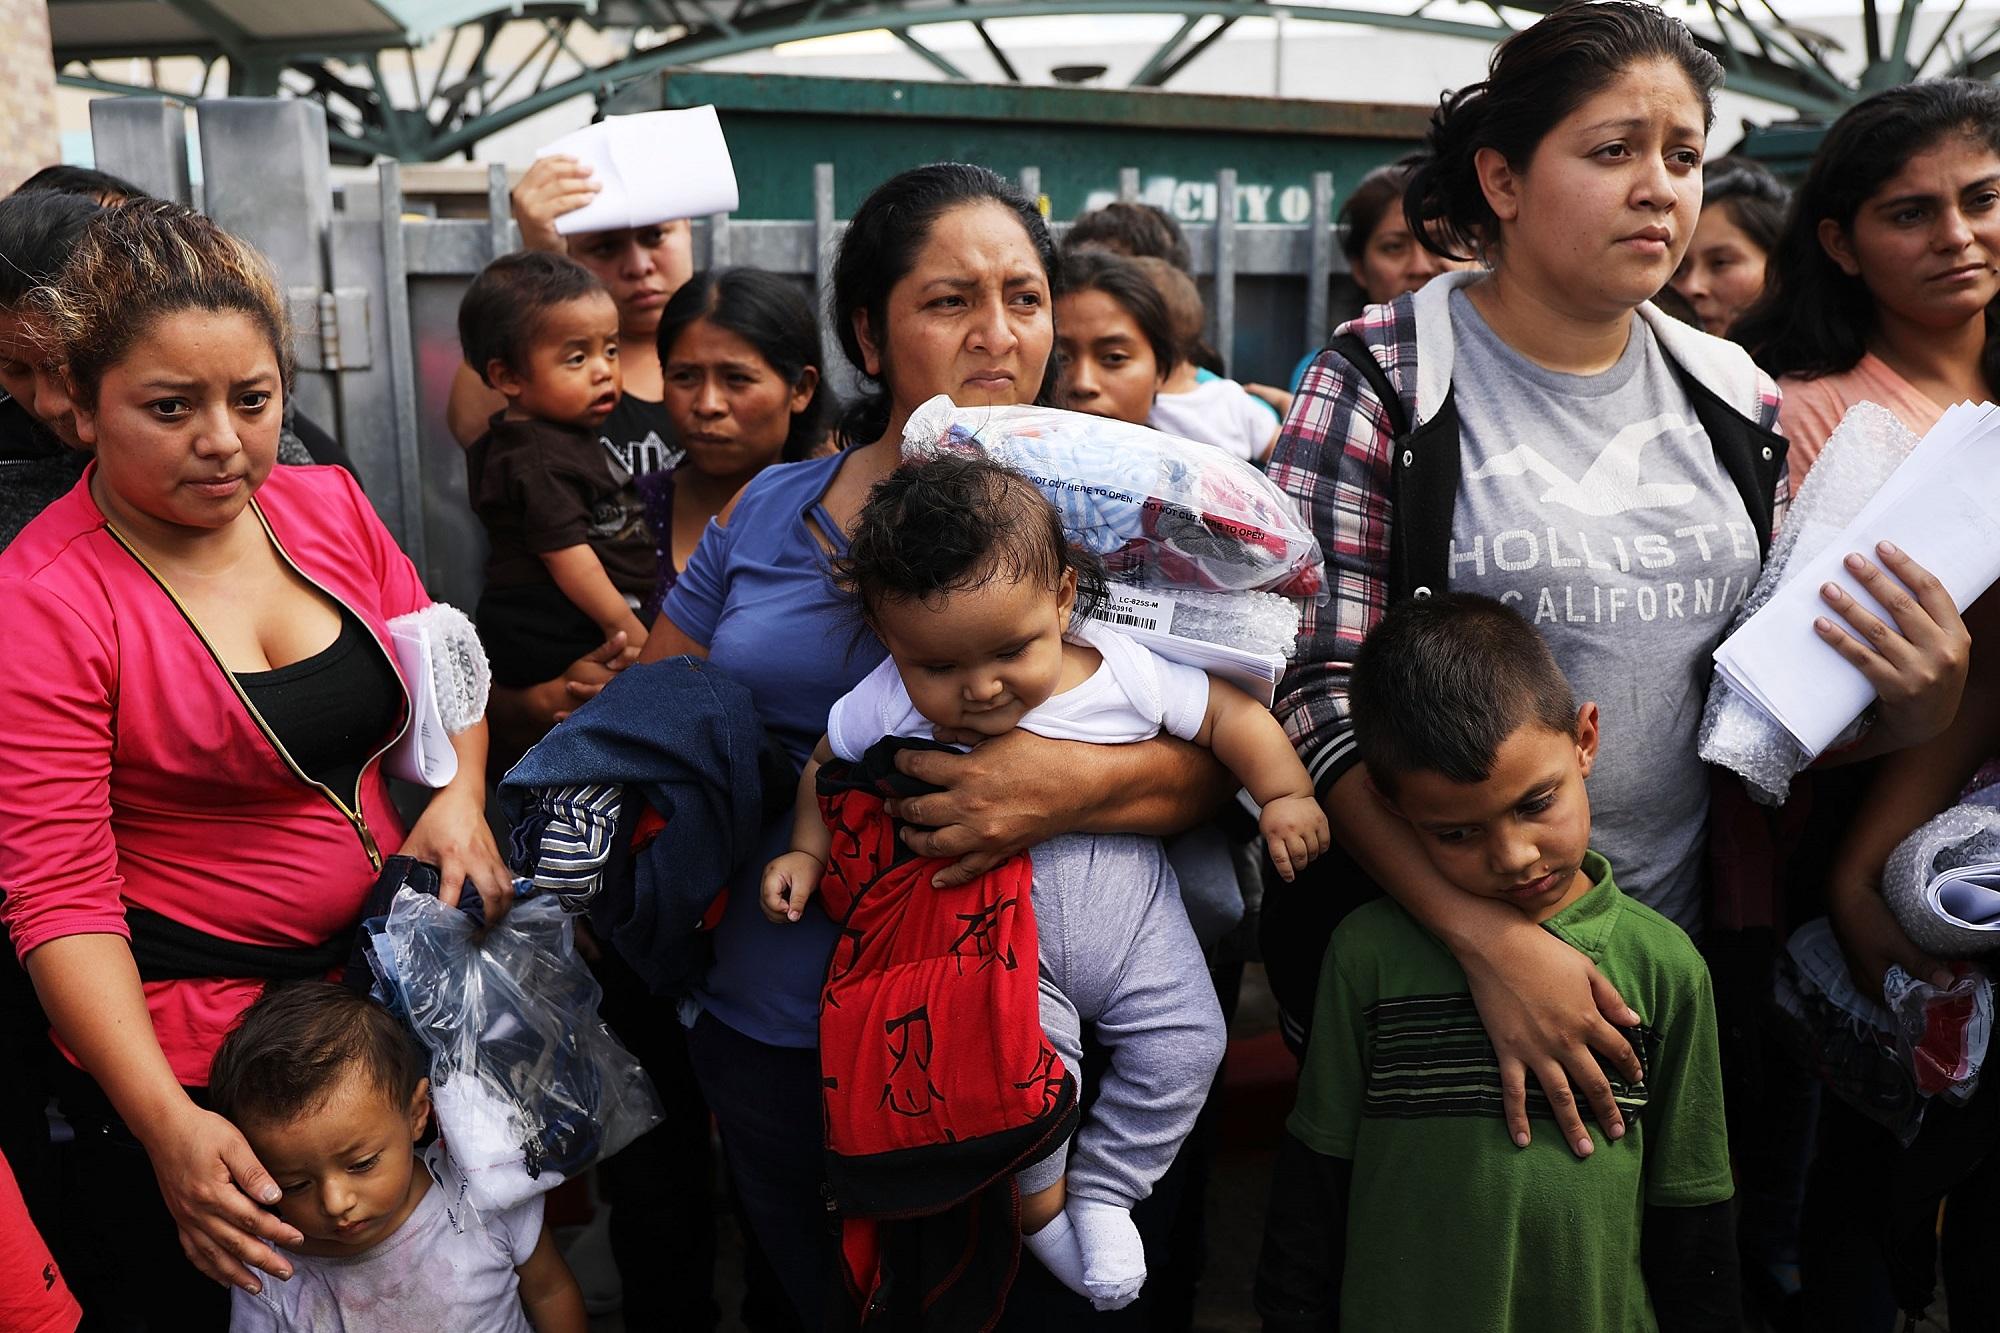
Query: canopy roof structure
491, 64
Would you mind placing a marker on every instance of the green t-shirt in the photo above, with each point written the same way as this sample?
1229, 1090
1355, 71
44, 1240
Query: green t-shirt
1450, 1226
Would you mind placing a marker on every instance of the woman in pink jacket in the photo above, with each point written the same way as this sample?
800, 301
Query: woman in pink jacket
197, 693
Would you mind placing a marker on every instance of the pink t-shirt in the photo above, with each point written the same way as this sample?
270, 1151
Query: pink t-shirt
1813, 407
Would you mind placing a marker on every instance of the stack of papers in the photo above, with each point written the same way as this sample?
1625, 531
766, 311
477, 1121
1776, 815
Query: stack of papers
1942, 507
1968, 897
659, 166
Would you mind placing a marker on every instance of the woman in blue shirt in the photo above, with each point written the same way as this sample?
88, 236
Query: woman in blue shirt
942, 286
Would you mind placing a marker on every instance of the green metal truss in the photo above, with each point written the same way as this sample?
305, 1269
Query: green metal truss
380, 103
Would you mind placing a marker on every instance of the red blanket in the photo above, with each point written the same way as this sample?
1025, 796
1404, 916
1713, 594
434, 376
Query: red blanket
938, 1084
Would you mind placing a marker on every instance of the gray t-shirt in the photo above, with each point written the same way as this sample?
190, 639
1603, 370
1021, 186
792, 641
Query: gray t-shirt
1595, 506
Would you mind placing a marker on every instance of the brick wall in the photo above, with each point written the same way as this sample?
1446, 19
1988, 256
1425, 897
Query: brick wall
27, 92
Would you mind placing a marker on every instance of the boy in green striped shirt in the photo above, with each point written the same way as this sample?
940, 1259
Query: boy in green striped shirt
1399, 1200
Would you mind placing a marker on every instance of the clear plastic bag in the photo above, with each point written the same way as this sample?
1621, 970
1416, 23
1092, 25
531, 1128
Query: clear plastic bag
528, 1084
1162, 512
1887, 1059
1942, 1034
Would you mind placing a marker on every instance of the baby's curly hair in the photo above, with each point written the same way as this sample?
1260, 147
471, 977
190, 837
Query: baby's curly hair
954, 522
139, 261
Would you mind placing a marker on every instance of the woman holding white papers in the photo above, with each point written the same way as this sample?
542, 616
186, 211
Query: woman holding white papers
1538, 432
1882, 286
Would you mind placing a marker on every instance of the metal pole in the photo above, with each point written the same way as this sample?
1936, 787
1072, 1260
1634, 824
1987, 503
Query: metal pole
1319, 260
265, 178
144, 140
824, 237
1225, 266
1031, 184
1128, 184
499, 212
402, 366
718, 242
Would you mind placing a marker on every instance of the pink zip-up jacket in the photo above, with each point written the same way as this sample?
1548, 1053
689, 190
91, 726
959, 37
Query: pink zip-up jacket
136, 771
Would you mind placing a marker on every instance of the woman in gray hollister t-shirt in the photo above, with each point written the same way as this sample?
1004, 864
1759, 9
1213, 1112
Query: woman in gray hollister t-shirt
1537, 431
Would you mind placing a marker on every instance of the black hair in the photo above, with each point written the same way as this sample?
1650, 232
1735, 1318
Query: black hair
100, 187
1814, 319
1536, 78
504, 306
1126, 282
1374, 197
38, 232
283, 1059
771, 314
881, 246
1754, 199
1442, 682
1132, 229
952, 522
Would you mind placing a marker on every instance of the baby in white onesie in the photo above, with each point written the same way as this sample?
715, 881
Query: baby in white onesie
962, 569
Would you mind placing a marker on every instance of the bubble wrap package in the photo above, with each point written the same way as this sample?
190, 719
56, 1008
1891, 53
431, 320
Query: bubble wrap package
1864, 449
1162, 512
530, 1086
1943, 883
460, 677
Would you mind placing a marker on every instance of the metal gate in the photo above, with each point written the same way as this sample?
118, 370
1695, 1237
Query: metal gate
374, 292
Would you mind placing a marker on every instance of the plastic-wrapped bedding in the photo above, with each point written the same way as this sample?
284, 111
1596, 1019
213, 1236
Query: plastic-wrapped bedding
1161, 511
1942, 884
1865, 448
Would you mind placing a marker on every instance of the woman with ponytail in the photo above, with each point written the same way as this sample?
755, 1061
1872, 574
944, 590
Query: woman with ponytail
1536, 431
943, 285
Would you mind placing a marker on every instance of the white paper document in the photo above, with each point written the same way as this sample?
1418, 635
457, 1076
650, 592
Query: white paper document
654, 167
1968, 897
424, 755
1942, 507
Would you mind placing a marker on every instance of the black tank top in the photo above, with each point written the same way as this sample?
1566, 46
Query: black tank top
331, 711
640, 436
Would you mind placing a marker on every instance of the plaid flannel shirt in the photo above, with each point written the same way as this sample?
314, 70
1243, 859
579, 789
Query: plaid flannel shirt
1333, 457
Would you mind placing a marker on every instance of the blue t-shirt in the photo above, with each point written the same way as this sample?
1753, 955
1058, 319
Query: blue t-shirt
757, 593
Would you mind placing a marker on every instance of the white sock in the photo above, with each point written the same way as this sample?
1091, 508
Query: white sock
1114, 1258
1055, 1245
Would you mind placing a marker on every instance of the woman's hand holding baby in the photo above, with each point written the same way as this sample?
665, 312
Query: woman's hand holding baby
1295, 833
789, 883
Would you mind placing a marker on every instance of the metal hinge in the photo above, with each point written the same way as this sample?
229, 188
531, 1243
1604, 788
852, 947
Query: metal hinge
330, 329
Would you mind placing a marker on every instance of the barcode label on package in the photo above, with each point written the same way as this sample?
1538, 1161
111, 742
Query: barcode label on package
1128, 608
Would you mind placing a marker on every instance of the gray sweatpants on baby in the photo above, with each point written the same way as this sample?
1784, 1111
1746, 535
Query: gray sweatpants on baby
1117, 952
